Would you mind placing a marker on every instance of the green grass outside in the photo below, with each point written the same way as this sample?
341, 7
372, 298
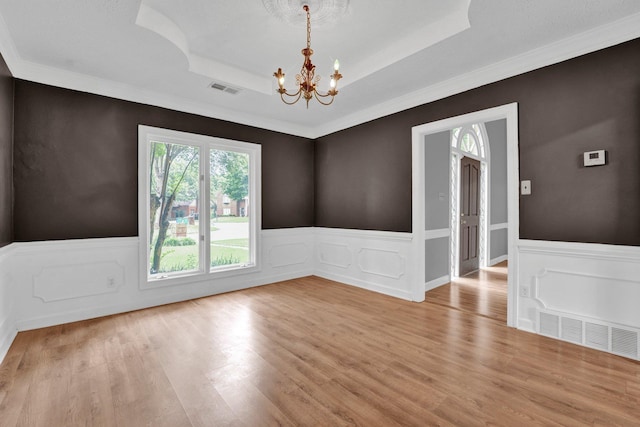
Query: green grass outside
181, 258
244, 243
230, 219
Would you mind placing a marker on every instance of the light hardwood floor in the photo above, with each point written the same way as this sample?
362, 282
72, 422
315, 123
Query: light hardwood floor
483, 292
309, 352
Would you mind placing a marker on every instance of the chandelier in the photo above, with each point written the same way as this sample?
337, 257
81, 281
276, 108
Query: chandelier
307, 79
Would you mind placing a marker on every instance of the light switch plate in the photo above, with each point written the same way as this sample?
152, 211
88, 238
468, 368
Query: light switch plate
594, 158
525, 187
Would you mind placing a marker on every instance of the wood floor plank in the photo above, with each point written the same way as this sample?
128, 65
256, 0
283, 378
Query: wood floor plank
312, 351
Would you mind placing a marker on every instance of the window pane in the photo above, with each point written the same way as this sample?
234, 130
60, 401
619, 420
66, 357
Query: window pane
468, 144
229, 174
174, 211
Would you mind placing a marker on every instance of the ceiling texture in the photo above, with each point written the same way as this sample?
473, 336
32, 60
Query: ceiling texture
393, 54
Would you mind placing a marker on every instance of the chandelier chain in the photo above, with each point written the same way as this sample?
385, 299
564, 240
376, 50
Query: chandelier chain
306, 8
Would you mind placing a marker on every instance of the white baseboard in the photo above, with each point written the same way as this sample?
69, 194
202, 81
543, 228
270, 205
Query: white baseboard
432, 284
367, 285
498, 260
526, 325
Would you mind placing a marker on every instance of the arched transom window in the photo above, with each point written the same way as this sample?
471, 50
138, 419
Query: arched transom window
469, 139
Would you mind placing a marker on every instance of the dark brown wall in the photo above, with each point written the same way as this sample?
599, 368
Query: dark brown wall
76, 166
363, 174
6, 154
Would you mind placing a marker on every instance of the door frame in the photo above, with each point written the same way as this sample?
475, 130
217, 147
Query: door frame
508, 112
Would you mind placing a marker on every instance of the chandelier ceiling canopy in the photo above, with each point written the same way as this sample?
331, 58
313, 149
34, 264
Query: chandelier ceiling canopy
325, 12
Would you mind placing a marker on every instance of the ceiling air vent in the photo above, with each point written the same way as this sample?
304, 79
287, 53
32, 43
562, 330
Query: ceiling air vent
224, 88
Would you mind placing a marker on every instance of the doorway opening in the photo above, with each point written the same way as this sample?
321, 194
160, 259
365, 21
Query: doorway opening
424, 230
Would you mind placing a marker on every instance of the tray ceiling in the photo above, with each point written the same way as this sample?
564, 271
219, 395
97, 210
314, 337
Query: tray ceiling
393, 54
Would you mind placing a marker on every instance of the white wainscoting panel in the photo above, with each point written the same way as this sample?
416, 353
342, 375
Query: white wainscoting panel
590, 280
65, 281
374, 260
334, 254
76, 280
382, 262
49, 283
286, 254
8, 328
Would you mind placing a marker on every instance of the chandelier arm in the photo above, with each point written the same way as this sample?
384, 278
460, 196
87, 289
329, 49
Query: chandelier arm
297, 95
318, 96
325, 95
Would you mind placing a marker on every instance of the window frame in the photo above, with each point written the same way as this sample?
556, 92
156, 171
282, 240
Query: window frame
204, 143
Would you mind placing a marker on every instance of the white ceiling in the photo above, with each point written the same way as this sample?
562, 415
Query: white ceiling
393, 54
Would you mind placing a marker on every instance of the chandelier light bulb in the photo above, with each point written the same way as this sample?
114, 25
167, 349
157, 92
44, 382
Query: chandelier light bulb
336, 65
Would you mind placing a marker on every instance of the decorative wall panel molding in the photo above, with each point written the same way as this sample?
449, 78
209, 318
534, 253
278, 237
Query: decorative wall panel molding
380, 259
334, 254
614, 299
55, 283
381, 262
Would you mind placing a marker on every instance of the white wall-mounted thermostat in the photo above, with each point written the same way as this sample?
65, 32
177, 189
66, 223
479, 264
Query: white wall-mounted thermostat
594, 158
